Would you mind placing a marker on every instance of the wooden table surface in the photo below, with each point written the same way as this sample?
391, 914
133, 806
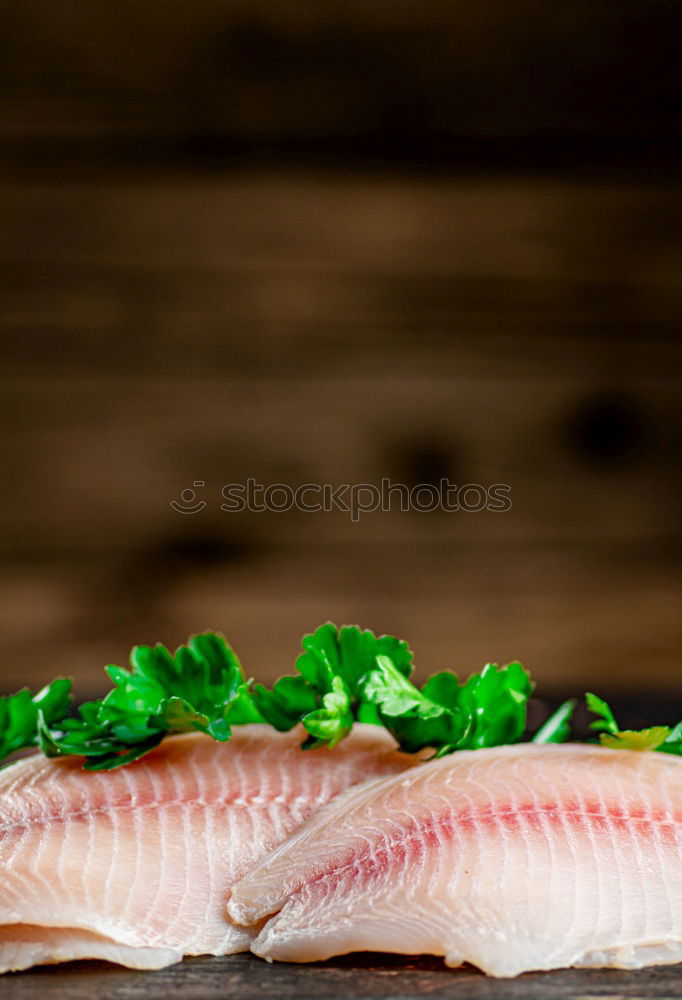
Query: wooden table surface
370, 976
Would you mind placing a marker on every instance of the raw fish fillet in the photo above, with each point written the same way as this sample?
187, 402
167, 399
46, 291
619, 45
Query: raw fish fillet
516, 858
135, 865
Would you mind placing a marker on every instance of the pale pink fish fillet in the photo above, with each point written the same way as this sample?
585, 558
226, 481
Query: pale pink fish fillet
135, 865
23, 945
514, 859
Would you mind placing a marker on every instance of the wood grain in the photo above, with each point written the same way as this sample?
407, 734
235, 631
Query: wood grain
171, 327
372, 977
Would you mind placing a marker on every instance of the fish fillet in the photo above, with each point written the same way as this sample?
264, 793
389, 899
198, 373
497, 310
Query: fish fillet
514, 859
135, 865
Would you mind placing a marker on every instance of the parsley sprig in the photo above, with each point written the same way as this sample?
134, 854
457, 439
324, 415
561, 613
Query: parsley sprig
201, 686
661, 738
343, 675
347, 674
20, 712
327, 695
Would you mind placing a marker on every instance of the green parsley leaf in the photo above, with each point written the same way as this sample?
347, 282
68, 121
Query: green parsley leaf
606, 721
20, 712
369, 714
496, 699
290, 699
348, 652
557, 728
488, 710
199, 687
331, 723
326, 694
196, 688
102, 752
642, 739
661, 738
673, 742
415, 719
347, 674
443, 688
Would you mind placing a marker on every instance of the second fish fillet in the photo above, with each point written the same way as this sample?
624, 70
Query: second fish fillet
514, 859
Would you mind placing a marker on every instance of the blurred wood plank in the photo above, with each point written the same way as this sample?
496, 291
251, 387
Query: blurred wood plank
299, 329
116, 453
304, 330
520, 226
415, 73
579, 618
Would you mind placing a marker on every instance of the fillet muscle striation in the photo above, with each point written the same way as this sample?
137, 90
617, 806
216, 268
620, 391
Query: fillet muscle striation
135, 865
514, 859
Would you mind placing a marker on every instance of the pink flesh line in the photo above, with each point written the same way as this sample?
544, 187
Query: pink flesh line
421, 836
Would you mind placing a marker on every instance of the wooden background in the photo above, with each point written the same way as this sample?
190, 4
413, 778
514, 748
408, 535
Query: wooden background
260, 266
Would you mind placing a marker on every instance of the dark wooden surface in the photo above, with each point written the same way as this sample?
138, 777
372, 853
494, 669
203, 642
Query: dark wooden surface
371, 977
